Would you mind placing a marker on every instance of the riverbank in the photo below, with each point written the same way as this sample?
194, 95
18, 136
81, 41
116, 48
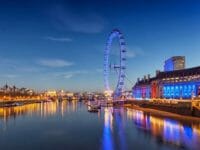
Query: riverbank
160, 113
10, 103
181, 107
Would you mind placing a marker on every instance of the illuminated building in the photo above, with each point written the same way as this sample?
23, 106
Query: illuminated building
142, 89
176, 84
174, 63
70, 94
108, 93
51, 93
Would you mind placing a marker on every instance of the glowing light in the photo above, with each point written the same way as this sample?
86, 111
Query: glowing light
179, 90
107, 134
108, 93
143, 92
120, 84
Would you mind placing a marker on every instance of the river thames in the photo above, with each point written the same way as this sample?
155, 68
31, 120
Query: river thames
68, 125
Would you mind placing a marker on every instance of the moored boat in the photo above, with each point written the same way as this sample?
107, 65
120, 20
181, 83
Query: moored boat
92, 109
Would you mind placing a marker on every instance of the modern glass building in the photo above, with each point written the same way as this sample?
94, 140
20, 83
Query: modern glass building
174, 63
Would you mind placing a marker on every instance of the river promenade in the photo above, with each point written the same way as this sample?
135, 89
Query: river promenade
161, 113
19, 102
179, 110
180, 107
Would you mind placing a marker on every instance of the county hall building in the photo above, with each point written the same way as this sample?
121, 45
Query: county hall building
175, 82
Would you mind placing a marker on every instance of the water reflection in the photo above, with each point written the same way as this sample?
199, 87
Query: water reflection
107, 131
114, 129
42, 109
63, 123
167, 130
119, 116
140, 119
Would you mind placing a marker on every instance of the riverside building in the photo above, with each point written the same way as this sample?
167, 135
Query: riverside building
174, 83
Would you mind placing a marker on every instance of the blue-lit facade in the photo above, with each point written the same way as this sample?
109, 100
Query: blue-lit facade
180, 90
177, 84
142, 92
169, 65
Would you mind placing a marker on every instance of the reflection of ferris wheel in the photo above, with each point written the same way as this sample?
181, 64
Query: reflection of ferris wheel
120, 68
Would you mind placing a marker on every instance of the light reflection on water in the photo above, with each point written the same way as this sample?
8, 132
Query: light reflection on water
42, 109
166, 130
107, 130
61, 124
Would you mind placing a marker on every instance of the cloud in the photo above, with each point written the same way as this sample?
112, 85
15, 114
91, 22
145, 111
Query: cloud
81, 22
99, 70
8, 63
29, 69
58, 39
131, 52
54, 63
134, 51
16, 65
11, 76
67, 76
70, 74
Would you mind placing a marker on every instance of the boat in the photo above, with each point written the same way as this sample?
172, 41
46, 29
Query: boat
94, 104
16, 104
13, 104
92, 109
48, 100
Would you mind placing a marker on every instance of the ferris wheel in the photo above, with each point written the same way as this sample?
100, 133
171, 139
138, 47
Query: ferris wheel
119, 68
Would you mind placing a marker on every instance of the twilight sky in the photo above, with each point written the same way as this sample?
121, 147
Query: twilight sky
59, 44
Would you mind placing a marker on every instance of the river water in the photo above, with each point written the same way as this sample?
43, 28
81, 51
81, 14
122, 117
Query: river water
69, 126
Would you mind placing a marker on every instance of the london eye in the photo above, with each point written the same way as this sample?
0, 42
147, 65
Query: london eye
119, 68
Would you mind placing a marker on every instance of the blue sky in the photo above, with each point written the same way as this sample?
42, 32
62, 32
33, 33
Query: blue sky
59, 44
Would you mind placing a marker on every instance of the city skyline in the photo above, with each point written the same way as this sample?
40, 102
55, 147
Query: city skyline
60, 44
